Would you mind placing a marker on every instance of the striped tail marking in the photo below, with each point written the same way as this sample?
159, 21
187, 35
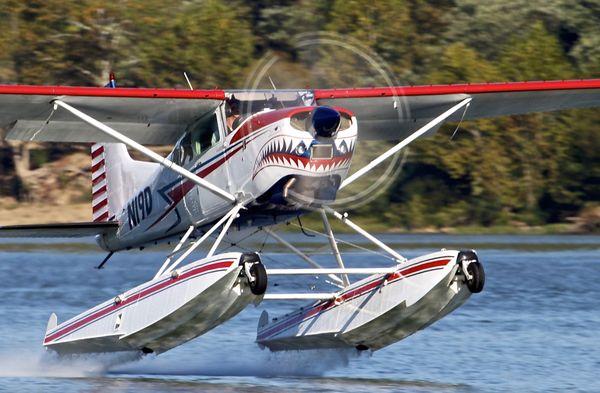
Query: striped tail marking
99, 184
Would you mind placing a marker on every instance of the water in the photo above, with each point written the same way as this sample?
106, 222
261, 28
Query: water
534, 328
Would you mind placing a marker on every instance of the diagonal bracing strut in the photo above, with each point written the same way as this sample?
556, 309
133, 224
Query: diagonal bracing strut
175, 251
147, 152
334, 247
344, 218
226, 221
405, 142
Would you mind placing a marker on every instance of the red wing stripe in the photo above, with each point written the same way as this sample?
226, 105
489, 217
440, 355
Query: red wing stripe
110, 92
318, 93
138, 296
472, 88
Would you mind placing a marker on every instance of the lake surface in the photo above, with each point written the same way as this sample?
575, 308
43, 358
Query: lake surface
535, 327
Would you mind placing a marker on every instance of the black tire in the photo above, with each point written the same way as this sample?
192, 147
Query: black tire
476, 283
259, 285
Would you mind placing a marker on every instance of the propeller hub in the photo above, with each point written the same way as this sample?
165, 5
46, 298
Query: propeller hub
325, 121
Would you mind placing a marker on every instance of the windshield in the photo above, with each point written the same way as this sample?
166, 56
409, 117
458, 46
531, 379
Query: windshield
246, 103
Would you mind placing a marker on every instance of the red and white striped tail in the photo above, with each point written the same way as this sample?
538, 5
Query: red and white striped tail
99, 184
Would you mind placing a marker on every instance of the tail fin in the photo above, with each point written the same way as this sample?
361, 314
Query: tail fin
52, 322
116, 177
263, 320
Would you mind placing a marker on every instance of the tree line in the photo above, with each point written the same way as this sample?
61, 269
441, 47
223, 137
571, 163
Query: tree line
534, 169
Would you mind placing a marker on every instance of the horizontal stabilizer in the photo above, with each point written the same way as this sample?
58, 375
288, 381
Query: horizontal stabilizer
76, 229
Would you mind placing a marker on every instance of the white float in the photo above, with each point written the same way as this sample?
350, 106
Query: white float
165, 312
380, 309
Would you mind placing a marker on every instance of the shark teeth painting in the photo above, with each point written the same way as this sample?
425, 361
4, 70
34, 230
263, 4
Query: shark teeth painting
296, 153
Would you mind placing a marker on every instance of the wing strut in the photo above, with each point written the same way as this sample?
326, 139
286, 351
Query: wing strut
147, 152
175, 250
464, 103
226, 221
344, 218
334, 247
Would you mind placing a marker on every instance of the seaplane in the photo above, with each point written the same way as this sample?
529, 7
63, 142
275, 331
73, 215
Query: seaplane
250, 160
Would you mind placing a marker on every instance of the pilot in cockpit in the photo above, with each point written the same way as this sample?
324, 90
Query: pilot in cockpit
233, 114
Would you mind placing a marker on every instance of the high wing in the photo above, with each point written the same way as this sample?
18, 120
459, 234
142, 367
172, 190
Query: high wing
77, 229
148, 116
394, 112
159, 116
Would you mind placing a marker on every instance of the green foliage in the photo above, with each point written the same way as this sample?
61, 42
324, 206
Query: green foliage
210, 40
384, 27
524, 169
537, 56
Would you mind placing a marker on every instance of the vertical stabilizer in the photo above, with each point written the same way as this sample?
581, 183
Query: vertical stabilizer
263, 320
116, 177
99, 189
52, 322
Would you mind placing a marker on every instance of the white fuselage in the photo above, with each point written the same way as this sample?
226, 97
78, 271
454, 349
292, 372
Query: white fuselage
251, 162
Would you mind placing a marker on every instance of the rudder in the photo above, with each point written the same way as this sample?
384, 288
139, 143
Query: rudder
116, 177
100, 211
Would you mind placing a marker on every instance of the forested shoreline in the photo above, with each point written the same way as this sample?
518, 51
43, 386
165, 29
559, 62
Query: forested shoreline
525, 170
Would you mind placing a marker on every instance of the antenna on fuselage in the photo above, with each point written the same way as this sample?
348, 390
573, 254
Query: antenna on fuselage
272, 83
274, 88
188, 80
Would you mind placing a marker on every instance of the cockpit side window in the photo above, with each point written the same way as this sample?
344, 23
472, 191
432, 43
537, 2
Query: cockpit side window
203, 137
199, 138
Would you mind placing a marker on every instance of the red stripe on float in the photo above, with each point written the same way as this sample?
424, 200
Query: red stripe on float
138, 296
368, 287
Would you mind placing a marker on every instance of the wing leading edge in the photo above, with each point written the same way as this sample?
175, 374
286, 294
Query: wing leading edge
159, 116
149, 116
393, 112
